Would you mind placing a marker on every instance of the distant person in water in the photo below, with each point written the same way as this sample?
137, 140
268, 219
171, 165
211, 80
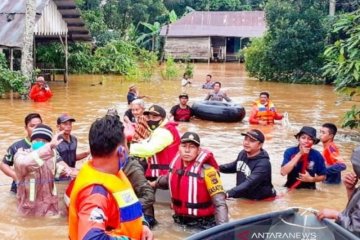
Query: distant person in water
185, 81
303, 165
208, 83
349, 217
182, 112
217, 94
334, 163
40, 91
133, 94
264, 111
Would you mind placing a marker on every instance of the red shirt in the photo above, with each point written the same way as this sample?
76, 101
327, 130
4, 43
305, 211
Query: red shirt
40, 94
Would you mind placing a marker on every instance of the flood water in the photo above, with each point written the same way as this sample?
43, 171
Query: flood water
306, 105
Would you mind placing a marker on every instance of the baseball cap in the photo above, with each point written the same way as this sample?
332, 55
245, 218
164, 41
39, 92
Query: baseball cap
190, 137
184, 95
255, 134
64, 118
155, 110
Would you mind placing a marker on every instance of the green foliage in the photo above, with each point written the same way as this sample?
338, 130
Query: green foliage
182, 6
3, 62
115, 57
10, 80
189, 68
256, 59
119, 14
343, 56
171, 70
145, 67
81, 59
352, 118
153, 31
292, 49
343, 62
51, 54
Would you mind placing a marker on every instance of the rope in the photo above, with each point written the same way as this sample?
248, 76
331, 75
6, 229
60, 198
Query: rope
301, 226
65, 181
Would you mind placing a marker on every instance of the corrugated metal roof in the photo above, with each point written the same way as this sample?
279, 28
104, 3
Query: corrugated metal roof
222, 24
12, 20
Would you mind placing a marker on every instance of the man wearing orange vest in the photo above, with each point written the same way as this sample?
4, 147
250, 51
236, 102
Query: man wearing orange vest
197, 194
103, 204
263, 111
334, 163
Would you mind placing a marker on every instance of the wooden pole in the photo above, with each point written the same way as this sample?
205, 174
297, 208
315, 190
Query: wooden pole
11, 59
34, 54
66, 59
332, 6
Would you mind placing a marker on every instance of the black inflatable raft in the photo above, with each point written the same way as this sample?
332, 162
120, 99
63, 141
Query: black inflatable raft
218, 111
287, 224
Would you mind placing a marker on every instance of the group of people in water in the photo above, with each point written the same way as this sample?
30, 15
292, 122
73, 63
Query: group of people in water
112, 194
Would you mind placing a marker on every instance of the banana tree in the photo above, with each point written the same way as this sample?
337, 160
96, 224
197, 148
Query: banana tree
152, 35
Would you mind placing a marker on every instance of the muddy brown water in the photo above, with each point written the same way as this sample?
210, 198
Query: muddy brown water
306, 105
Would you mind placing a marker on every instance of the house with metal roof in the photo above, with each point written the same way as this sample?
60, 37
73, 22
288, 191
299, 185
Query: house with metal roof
212, 35
56, 20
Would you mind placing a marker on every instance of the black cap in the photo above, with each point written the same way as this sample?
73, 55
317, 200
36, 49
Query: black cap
191, 137
310, 131
42, 131
255, 134
155, 110
184, 95
64, 118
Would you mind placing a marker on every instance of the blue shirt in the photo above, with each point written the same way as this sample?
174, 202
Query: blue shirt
131, 97
316, 166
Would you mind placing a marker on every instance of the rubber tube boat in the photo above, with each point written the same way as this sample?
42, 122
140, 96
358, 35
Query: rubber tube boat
219, 111
286, 224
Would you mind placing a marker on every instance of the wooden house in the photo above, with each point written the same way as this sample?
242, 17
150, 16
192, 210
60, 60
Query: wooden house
55, 20
212, 35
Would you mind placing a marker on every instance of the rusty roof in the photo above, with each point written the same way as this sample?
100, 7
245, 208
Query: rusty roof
12, 15
222, 24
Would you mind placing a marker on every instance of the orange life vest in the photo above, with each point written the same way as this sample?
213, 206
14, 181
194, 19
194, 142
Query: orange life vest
188, 190
265, 112
130, 212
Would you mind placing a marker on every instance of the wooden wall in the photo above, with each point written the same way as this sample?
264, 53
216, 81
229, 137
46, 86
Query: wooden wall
181, 48
51, 22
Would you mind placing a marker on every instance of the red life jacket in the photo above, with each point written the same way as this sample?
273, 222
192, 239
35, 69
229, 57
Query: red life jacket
189, 194
159, 163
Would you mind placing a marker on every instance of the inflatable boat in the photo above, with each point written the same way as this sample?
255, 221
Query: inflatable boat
286, 224
218, 111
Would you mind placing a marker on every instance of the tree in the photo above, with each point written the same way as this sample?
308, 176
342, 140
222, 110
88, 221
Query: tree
120, 14
28, 41
343, 62
293, 45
